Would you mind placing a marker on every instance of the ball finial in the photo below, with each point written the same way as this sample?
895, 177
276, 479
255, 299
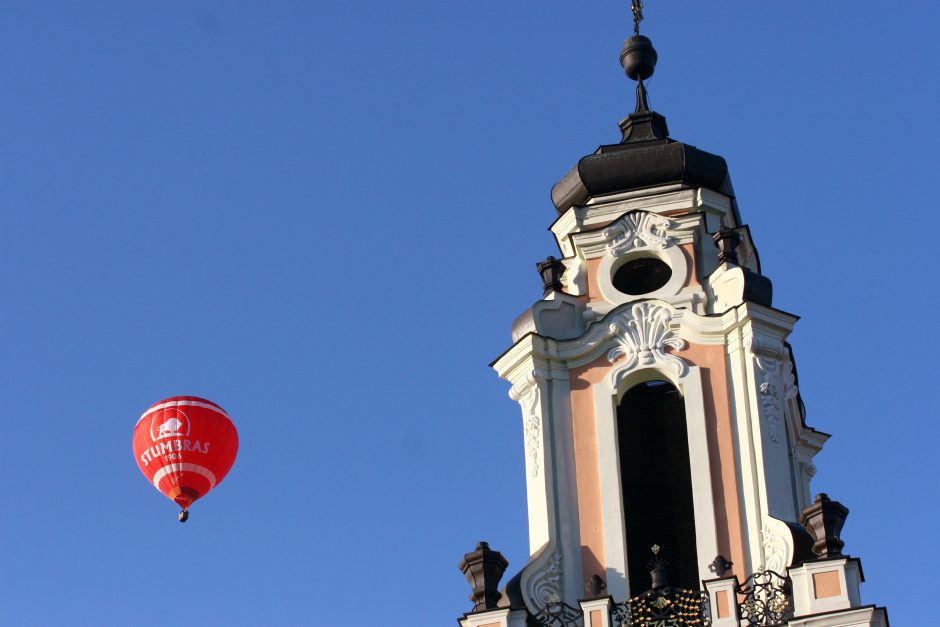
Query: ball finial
638, 58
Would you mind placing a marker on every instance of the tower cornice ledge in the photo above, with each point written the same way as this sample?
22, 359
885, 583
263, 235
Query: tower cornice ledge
666, 199
554, 357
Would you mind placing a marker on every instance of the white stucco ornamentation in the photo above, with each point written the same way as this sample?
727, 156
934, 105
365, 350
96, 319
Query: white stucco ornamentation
643, 334
526, 392
776, 551
545, 585
638, 229
767, 358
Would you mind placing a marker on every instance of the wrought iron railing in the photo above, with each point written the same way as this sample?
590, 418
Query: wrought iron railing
766, 599
560, 615
664, 607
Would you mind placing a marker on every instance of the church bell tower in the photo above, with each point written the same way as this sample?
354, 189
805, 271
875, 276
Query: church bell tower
667, 456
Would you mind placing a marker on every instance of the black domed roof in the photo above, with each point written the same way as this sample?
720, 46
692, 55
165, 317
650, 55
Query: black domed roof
646, 157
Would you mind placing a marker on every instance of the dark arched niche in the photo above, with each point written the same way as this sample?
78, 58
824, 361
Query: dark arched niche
657, 484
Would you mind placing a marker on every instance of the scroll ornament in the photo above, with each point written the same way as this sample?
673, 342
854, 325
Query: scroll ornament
643, 334
636, 230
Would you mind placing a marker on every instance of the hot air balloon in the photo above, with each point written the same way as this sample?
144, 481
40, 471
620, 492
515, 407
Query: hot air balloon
185, 446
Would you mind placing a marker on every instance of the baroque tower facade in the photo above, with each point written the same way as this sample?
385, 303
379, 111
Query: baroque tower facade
668, 460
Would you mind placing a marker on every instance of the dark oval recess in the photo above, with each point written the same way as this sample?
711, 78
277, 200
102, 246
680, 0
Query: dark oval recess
642, 276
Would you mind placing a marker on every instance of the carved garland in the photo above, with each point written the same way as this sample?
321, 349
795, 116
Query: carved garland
526, 393
767, 357
643, 334
635, 230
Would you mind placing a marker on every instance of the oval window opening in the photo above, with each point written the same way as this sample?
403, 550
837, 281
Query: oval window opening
642, 276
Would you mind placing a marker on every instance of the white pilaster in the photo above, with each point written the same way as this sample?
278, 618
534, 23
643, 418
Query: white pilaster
722, 601
597, 612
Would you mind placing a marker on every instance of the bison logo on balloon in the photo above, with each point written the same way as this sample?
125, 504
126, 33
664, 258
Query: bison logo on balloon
169, 423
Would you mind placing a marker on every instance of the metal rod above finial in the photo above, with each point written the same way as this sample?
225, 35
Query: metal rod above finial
637, 7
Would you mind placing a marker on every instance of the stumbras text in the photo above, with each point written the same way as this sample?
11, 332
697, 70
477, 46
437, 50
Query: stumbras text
172, 450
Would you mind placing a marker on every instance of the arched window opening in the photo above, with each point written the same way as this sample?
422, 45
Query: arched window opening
656, 479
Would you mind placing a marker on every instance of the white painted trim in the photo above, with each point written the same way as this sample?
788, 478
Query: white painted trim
726, 585
602, 605
528, 391
554, 570
805, 601
498, 617
860, 617
672, 199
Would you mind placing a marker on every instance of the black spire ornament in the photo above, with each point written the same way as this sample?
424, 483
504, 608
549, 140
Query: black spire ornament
637, 7
638, 59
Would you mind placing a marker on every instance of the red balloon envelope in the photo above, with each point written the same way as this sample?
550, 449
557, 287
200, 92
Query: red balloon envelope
185, 446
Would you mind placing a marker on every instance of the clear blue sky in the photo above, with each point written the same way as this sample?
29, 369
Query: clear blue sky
325, 215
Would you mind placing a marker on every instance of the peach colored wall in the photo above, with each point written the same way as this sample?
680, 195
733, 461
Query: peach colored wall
720, 432
688, 251
711, 360
827, 584
721, 603
596, 619
587, 476
593, 291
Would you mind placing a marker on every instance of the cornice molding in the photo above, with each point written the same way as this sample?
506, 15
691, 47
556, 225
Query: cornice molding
553, 357
672, 198
632, 230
